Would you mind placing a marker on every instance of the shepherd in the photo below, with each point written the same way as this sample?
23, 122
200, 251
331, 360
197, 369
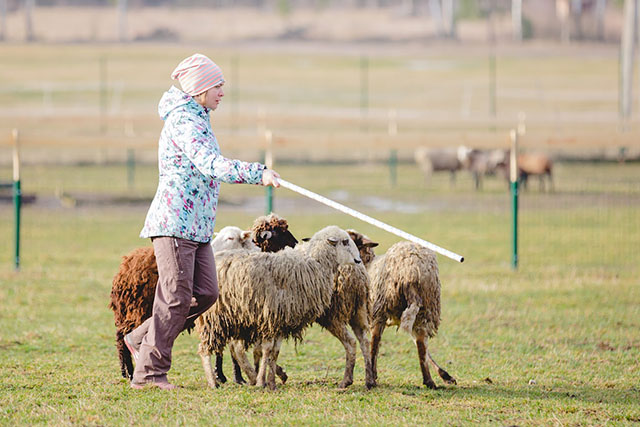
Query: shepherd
182, 215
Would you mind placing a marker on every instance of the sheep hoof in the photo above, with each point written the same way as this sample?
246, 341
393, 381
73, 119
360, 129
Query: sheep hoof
371, 384
446, 377
282, 374
430, 384
344, 384
221, 378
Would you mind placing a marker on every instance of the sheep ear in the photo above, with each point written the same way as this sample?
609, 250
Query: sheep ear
265, 235
332, 241
306, 239
245, 235
370, 244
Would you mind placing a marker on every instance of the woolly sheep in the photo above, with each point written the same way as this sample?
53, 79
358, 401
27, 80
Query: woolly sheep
442, 159
350, 306
133, 287
270, 234
268, 297
405, 291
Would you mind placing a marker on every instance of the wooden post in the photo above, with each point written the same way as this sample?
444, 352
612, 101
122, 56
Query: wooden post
364, 92
393, 154
516, 19
627, 50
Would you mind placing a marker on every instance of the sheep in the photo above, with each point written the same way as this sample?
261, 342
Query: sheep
133, 287
350, 306
405, 291
268, 297
442, 159
484, 163
270, 234
531, 164
536, 164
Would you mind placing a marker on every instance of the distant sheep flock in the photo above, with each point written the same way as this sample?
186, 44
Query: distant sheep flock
273, 288
481, 163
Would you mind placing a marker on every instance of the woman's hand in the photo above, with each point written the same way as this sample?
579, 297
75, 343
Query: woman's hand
270, 177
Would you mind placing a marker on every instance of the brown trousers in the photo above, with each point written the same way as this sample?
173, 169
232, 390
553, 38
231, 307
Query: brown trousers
187, 287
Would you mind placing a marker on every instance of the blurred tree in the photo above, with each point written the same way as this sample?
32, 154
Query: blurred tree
3, 18
28, 14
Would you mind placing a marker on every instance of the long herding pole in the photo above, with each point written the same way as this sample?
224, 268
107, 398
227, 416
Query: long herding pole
370, 220
17, 195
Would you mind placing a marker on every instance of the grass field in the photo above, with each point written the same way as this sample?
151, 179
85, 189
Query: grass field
555, 342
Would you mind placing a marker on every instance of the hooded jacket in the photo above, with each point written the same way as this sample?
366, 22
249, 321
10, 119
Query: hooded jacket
190, 171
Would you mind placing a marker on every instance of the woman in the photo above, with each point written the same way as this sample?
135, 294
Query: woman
182, 215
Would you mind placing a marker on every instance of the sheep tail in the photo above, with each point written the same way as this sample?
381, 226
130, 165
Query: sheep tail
408, 317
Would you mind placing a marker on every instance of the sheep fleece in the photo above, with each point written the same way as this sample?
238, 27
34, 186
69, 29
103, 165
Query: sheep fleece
407, 273
264, 294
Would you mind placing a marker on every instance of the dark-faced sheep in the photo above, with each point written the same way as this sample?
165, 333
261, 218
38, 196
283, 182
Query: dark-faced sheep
405, 291
432, 160
268, 297
133, 287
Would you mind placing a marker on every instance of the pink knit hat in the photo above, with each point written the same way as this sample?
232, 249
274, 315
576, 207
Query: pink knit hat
197, 74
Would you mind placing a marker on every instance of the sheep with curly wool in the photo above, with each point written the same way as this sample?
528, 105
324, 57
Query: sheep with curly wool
268, 233
268, 297
133, 286
350, 307
405, 291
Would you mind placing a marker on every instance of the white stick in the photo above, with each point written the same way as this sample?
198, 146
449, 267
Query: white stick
370, 220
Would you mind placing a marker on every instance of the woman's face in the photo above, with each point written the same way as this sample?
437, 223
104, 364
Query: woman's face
211, 98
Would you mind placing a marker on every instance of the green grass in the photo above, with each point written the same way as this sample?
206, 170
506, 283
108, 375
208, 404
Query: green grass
567, 319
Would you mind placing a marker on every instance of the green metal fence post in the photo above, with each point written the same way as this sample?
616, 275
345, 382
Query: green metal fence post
513, 163
393, 167
17, 197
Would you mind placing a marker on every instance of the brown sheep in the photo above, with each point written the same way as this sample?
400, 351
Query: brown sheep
535, 164
405, 291
133, 287
531, 164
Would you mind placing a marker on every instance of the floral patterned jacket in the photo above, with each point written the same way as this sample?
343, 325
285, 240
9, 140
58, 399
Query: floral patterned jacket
190, 171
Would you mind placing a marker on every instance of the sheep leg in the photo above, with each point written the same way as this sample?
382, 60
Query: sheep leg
237, 370
443, 374
257, 355
349, 342
264, 363
126, 365
421, 343
376, 335
205, 357
361, 334
273, 368
219, 373
238, 353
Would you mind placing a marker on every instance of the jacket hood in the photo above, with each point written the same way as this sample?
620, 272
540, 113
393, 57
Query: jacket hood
174, 98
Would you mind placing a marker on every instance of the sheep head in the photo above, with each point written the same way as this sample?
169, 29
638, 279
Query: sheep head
232, 237
364, 244
344, 250
271, 233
